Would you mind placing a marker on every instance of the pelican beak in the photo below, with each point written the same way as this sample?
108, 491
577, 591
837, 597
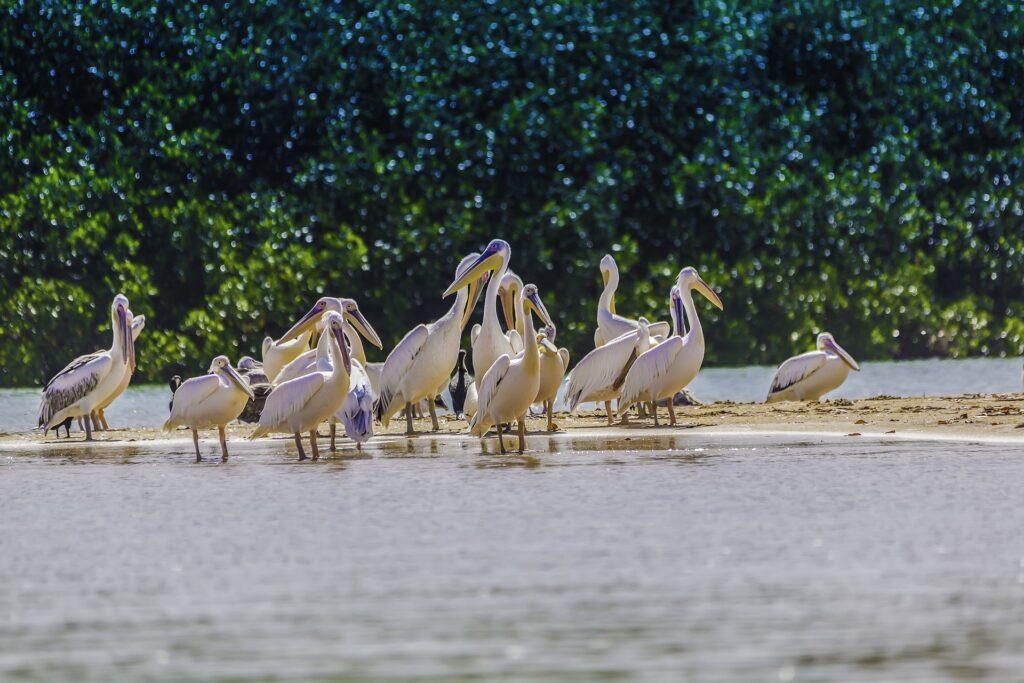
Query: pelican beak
708, 293
305, 322
507, 297
237, 379
538, 306
346, 358
363, 326
846, 358
548, 346
126, 330
475, 287
680, 320
487, 261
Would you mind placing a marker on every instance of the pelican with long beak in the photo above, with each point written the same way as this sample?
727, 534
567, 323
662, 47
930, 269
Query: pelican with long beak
599, 374
811, 375
554, 362
299, 405
610, 324
78, 389
349, 309
510, 385
490, 341
212, 400
669, 367
138, 324
419, 366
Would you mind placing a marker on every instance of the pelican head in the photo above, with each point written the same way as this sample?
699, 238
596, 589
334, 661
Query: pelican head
248, 363
610, 273
322, 305
474, 285
550, 331
688, 279
493, 257
508, 290
828, 344
532, 302
350, 309
121, 317
221, 366
267, 343
334, 324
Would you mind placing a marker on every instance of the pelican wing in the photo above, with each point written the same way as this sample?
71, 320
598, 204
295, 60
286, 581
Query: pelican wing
398, 364
356, 413
188, 397
796, 369
649, 369
489, 388
68, 386
602, 369
515, 341
563, 353
287, 399
474, 333
303, 364
661, 329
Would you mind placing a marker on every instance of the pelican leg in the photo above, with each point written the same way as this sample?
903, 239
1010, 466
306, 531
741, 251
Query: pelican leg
654, 409
408, 420
103, 419
334, 429
625, 417
671, 411
608, 410
298, 444
223, 444
195, 442
433, 414
88, 429
550, 406
522, 433
80, 427
316, 448
95, 421
501, 439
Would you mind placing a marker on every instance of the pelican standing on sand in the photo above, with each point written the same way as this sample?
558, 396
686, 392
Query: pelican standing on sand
811, 375
138, 324
667, 368
301, 404
420, 365
600, 373
554, 362
610, 324
211, 400
355, 322
509, 386
84, 383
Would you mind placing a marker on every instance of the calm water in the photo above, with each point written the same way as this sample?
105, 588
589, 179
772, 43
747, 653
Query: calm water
697, 558
146, 406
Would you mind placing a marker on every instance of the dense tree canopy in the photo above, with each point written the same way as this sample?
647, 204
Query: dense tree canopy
854, 166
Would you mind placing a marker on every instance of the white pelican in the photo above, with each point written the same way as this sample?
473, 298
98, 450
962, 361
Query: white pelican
278, 354
600, 373
609, 323
299, 405
489, 341
811, 375
509, 386
211, 400
356, 413
512, 309
420, 365
78, 389
667, 368
553, 364
138, 324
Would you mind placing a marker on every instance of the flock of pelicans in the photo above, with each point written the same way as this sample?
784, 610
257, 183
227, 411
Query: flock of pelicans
296, 388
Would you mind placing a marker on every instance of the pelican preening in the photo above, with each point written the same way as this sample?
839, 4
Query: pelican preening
665, 369
420, 365
554, 362
277, 354
509, 386
85, 383
300, 404
212, 400
811, 375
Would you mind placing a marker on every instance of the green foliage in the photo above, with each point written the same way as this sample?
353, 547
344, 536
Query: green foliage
851, 166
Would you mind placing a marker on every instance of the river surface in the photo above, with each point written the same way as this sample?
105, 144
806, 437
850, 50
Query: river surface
146, 406
666, 558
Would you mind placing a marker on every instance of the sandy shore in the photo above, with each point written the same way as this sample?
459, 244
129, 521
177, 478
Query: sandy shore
992, 418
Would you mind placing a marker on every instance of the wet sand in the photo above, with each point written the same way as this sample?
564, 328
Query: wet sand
984, 418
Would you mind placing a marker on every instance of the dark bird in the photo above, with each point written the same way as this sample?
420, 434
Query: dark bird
459, 385
252, 371
66, 424
174, 384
